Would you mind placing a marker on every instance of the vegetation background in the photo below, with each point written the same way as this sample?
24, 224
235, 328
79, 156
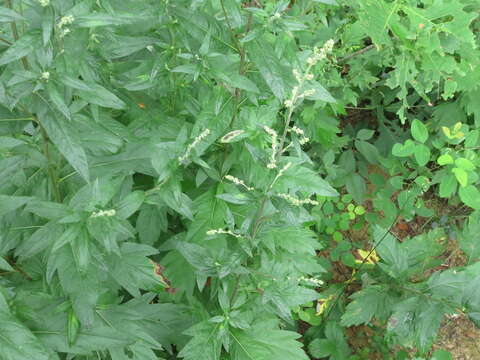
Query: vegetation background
245, 180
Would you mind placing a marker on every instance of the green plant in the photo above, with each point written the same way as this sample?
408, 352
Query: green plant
182, 179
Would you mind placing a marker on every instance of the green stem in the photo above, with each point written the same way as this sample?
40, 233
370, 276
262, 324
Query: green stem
50, 169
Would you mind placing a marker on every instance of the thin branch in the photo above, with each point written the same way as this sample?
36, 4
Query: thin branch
5, 41
359, 52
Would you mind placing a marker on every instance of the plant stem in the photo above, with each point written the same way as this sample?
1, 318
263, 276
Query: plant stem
50, 169
359, 52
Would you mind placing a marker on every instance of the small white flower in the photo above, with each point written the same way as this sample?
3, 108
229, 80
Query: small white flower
296, 130
309, 92
309, 76
288, 103
191, 146
274, 138
44, 3
237, 181
102, 213
45, 75
295, 201
304, 140
313, 281
66, 20
297, 75
64, 32
150, 48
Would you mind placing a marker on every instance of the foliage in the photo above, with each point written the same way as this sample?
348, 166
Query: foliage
189, 179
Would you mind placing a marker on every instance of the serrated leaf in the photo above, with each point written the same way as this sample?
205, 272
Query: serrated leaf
364, 306
272, 71
300, 178
266, 344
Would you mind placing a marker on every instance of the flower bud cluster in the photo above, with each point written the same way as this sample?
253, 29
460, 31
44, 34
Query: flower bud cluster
295, 201
192, 146
65, 20
44, 3
320, 53
313, 281
45, 76
301, 134
237, 181
102, 213
274, 138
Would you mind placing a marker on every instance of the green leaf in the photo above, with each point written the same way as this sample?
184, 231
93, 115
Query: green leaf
365, 305
303, 179
18, 50
465, 164
18, 342
328, 2
419, 131
151, 222
63, 137
320, 348
404, 150
72, 327
4, 265
7, 15
130, 204
422, 154
204, 344
356, 186
272, 71
461, 176
365, 134
134, 270
241, 82
94, 93
470, 196
305, 240
103, 19
58, 100
369, 151
266, 344
469, 238
48, 210
320, 93
11, 203
448, 185
444, 159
